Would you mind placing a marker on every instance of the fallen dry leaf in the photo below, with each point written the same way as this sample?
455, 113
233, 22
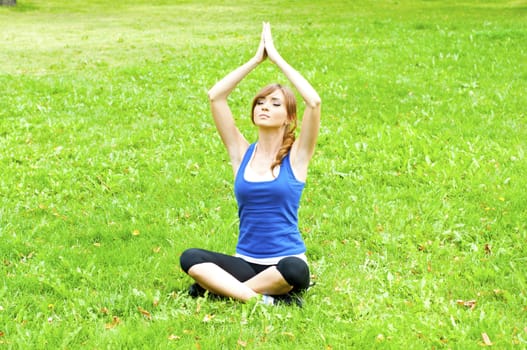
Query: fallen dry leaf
115, 321
208, 318
242, 343
471, 304
58, 215
289, 334
173, 337
486, 339
144, 312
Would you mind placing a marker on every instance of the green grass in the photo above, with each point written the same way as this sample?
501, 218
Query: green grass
111, 166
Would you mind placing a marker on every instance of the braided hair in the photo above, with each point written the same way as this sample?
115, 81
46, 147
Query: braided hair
289, 133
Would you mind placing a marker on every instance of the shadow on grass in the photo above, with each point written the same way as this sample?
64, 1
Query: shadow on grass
21, 7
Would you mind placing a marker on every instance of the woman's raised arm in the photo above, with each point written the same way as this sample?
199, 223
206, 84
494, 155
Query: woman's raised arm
233, 140
304, 146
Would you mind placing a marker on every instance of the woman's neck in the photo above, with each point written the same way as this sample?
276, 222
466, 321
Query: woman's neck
269, 143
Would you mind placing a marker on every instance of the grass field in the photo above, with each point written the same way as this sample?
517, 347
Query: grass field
414, 212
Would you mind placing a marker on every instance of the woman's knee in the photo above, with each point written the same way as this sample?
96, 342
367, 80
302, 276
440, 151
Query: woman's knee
295, 272
191, 257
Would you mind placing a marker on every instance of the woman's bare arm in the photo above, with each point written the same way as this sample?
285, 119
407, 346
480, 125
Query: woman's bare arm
304, 147
233, 140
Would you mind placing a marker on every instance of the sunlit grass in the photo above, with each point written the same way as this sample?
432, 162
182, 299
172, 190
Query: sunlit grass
414, 212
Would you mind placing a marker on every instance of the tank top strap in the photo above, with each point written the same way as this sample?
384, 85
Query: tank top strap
245, 160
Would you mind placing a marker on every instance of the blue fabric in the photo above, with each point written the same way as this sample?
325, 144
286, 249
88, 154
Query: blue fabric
268, 213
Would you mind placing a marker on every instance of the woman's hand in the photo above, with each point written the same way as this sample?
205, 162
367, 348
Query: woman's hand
261, 53
270, 50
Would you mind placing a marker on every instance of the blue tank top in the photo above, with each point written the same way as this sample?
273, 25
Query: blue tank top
268, 212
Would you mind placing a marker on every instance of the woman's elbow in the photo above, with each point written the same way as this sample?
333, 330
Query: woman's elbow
212, 95
314, 102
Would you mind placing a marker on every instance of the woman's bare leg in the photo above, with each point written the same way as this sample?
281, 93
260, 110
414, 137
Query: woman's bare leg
270, 282
213, 278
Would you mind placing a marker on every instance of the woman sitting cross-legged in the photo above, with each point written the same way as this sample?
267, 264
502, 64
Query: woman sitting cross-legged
269, 177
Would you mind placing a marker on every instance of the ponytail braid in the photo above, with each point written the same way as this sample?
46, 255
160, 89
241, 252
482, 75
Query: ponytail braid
289, 132
287, 143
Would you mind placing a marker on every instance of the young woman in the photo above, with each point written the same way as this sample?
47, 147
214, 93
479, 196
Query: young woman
270, 261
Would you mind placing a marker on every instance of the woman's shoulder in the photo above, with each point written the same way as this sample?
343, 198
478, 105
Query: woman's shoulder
240, 155
298, 162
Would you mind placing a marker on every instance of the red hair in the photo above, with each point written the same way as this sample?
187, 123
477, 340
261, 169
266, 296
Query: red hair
290, 106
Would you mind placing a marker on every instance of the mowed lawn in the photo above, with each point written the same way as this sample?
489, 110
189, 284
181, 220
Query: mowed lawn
414, 211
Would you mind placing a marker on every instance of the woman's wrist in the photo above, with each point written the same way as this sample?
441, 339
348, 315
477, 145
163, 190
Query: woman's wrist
254, 62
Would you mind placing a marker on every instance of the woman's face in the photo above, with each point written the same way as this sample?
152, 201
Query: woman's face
270, 111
